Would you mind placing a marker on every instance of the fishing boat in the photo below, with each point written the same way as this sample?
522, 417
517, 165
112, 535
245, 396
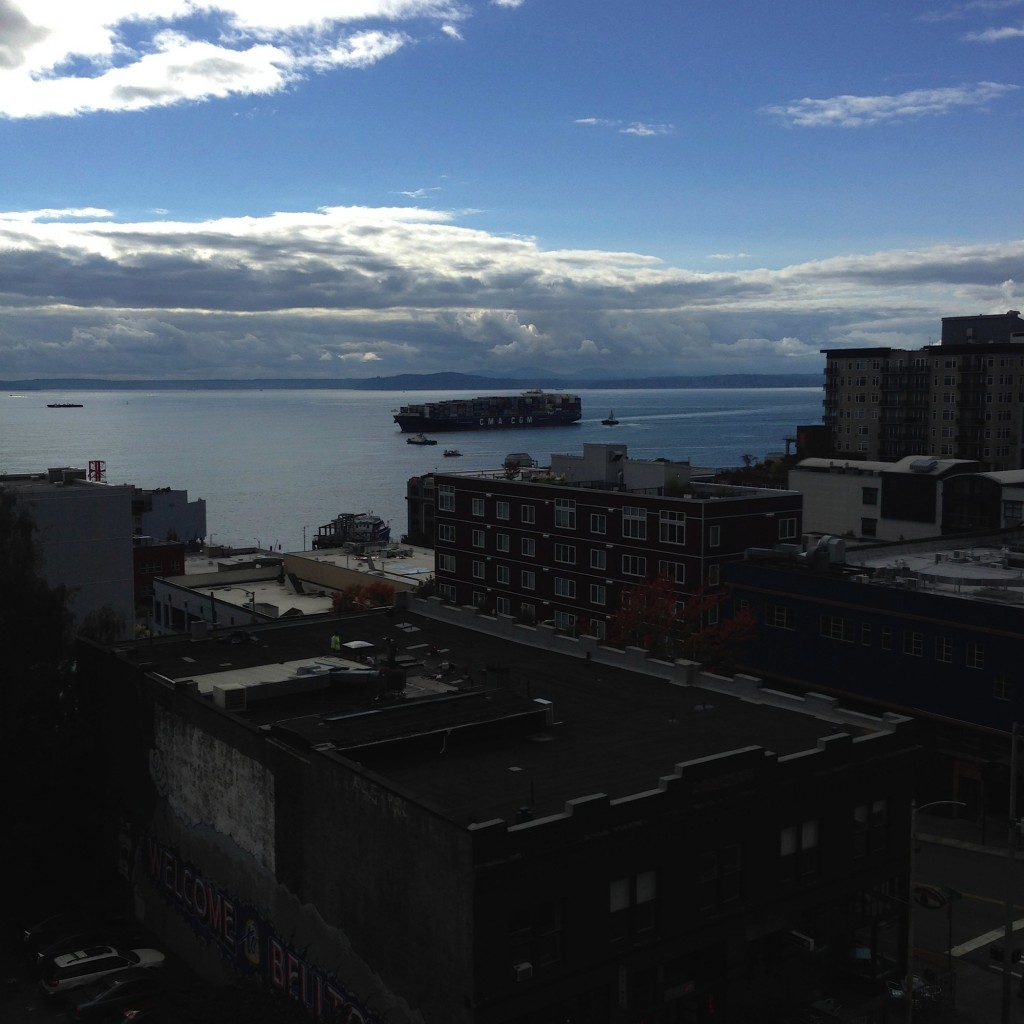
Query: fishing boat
452, 453
63, 405
610, 420
420, 439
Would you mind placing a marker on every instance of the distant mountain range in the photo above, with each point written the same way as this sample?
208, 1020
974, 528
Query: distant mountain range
422, 382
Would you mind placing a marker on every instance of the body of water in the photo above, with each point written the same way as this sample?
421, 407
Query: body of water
274, 465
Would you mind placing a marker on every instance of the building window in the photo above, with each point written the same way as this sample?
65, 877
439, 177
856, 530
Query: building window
632, 902
634, 522
565, 621
719, 877
674, 571
479, 569
597, 628
446, 533
478, 506
868, 527
446, 498
865, 634
798, 850
787, 528
975, 655
598, 522
886, 638
565, 587
529, 579
535, 935
501, 542
528, 513
943, 649
503, 605
672, 527
565, 513
779, 616
446, 563
835, 627
869, 495
1002, 688
913, 644
1013, 512
501, 575
598, 559
502, 510
714, 536
634, 565
565, 553
870, 828
714, 572
528, 547
447, 592
478, 538
597, 593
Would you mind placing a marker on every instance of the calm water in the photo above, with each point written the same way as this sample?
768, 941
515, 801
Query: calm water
270, 463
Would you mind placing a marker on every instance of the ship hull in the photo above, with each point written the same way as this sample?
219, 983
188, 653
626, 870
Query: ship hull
412, 424
495, 412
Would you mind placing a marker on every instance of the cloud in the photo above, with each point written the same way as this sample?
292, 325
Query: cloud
510, 4
859, 111
322, 293
63, 60
995, 35
728, 256
639, 128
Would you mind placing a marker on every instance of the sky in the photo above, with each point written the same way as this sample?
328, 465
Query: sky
361, 188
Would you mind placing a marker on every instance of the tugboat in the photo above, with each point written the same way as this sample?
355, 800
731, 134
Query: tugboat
610, 420
420, 439
452, 453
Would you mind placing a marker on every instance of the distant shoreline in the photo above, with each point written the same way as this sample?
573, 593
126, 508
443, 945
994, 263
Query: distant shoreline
420, 382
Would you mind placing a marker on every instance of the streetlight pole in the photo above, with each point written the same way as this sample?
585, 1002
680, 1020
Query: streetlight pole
908, 983
1011, 841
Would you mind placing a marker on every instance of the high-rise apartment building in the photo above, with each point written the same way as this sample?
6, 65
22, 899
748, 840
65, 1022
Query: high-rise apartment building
962, 398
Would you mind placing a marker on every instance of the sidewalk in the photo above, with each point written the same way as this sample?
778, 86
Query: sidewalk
983, 836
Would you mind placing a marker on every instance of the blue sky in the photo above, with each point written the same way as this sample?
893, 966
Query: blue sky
368, 187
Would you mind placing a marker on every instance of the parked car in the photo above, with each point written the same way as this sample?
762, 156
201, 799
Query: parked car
134, 989
84, 966
82, 936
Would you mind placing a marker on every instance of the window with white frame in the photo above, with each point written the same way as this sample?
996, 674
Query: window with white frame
478, 506
446, 533
501, 542
529, 579
671, 527
634, 522
598, 558
565, 553
714, 536
598, 593
479, 569
527, 513
565, 587
503, 605
565, 513
975, 655
528, 547
446, 498
501, 575
714, 573
634, 565
674, 571
502, 510
565, 620
478, 538
446, 563
598, 523
787, 528
447, 592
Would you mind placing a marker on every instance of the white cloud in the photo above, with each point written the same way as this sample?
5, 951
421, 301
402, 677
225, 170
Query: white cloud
995, 35
858, 111
639, 128
510, 4
407, 289
728, 256
59, 59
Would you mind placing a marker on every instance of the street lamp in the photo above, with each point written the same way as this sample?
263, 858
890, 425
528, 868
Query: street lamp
908, 984
259, 546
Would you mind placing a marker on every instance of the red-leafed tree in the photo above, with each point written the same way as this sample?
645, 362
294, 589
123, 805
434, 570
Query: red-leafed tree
650, 617
359, 596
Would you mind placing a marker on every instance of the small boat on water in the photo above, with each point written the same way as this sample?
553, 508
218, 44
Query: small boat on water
452, 453
63, 405
420, 439
610, 420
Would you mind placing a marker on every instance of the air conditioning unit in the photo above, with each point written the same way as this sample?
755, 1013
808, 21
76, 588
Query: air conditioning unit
522, 972
804, 941
231, 697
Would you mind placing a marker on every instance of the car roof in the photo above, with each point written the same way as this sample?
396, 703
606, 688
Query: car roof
89, 953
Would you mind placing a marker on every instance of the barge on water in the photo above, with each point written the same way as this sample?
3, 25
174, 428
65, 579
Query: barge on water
494, 412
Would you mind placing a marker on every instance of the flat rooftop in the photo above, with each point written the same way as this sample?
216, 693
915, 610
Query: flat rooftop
483, 726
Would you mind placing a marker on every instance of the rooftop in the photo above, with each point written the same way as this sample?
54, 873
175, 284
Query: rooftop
484, 726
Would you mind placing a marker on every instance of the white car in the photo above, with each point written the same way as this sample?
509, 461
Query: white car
84, 966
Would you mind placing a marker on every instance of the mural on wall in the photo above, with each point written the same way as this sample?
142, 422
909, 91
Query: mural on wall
246, 937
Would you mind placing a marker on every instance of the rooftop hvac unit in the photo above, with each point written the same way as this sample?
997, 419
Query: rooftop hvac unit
522, 972
230, 696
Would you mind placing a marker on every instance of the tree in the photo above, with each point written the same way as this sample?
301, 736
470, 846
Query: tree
358, 596
651, 617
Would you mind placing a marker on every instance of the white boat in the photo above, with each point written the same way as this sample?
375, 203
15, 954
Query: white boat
420, 439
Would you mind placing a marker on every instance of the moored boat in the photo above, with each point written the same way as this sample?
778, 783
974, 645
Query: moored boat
362, 528
420, 439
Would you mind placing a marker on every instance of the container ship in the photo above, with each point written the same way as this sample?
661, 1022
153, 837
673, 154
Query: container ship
495, 412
